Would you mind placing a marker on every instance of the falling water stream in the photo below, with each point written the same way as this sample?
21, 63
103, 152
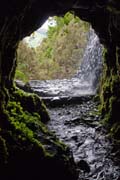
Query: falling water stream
75, 119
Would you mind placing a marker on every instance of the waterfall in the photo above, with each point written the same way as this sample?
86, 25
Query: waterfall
83, 83
91, 66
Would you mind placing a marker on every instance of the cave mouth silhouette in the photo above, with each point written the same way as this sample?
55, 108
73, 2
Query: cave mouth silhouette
21, 18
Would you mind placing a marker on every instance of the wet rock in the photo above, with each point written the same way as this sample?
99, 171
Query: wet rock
80, 143
23, 86
86, 139
83, 165
68, 112
20, 84
75, 138
118, 178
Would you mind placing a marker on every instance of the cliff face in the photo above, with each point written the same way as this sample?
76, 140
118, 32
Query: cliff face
20, 18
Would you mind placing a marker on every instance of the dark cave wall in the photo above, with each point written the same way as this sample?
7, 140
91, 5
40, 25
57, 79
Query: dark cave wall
20, 18
26, 145
110, 90
17, 19
107, 26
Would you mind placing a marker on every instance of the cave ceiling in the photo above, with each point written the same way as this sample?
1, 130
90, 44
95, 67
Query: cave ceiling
28, 15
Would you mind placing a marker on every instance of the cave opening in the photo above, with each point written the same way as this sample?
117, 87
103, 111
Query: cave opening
54, 51
69, 53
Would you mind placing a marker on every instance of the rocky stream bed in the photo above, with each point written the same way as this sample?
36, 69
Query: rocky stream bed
76, 121
78, 126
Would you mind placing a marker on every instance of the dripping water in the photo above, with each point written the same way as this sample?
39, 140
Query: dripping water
91, 66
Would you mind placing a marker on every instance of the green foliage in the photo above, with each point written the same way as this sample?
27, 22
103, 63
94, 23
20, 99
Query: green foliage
21, 76
28, 65
59, 55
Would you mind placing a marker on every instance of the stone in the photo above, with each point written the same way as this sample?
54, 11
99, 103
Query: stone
83, 165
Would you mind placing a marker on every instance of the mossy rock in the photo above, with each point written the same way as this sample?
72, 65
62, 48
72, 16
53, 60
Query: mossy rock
30, 102
27, 149
115, 132
110, 92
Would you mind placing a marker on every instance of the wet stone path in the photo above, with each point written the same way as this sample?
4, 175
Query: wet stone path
78, 126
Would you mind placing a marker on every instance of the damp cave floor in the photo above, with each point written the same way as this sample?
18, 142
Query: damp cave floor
79, 126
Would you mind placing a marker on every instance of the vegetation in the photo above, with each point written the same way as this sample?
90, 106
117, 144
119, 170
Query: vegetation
27, 148
23, 125
110, 93
28, 64
59, 55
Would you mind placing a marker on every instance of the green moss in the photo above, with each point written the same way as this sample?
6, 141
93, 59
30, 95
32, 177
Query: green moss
115, 85
31, 103
115, 132
28, 126
110, 91
25, 131
24, 127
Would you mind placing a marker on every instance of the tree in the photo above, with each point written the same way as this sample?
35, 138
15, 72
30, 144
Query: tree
28, 65
64, 46
60, 53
